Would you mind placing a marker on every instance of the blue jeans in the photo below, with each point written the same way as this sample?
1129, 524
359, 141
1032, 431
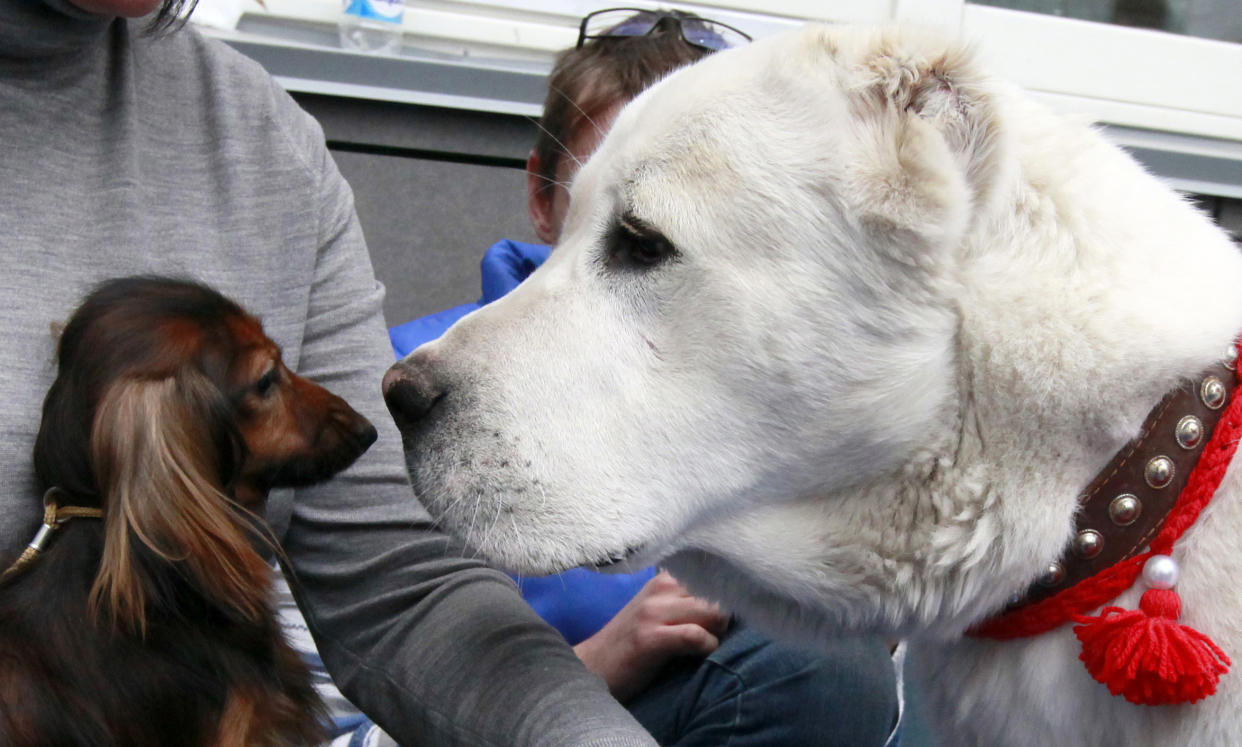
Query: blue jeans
752, 691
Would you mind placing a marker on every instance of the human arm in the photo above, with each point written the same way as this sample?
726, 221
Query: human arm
661, 622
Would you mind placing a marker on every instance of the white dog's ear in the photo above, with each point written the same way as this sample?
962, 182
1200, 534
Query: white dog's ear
926, 147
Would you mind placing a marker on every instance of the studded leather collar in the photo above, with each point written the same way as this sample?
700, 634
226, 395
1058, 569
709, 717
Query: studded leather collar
1126, 505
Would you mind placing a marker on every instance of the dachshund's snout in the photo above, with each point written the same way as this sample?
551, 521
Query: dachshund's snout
411, 389
352, 425
354, 428
365, 434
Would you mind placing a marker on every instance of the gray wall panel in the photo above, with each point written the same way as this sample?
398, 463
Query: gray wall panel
451, 132
428, 223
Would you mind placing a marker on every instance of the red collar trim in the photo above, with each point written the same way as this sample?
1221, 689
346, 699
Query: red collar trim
1054, 611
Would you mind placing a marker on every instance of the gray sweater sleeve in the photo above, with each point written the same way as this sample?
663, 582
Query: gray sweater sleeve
435, 647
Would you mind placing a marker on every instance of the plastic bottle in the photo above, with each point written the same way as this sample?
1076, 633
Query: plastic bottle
371, 25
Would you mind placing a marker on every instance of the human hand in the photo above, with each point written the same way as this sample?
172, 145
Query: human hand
661, 622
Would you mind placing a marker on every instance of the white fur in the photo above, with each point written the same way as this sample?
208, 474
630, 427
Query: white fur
912, 314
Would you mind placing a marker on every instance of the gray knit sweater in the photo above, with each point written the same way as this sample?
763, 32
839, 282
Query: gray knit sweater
124, 154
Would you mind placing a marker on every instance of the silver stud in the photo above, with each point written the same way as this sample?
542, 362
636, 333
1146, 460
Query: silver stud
1124, 510
1053, 574
1212, 392
1189, 432
1158, 472
1088, 543
1231, 357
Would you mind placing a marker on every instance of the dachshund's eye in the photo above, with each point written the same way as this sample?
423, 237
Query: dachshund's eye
264, 385
632, 244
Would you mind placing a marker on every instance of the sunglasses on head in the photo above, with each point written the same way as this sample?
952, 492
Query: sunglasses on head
626, 22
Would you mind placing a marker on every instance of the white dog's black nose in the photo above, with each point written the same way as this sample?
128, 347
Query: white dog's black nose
410, 390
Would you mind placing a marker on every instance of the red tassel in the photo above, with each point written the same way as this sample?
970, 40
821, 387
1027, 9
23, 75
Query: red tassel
1148, 657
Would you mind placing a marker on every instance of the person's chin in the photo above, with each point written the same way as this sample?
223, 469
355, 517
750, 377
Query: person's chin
123, 8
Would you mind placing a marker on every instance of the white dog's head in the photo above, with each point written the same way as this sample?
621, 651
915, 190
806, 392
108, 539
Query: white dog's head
749, 335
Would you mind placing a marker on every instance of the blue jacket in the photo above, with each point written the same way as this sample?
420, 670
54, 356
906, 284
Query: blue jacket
577, 602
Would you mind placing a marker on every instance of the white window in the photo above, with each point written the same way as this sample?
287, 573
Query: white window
1173, 94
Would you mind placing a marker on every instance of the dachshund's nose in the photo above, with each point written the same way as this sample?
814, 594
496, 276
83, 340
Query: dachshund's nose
410, 389
365, 434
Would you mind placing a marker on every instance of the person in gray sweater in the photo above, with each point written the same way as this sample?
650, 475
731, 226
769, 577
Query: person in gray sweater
127, 152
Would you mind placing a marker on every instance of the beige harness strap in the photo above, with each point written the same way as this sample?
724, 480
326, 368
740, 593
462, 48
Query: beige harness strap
53, 517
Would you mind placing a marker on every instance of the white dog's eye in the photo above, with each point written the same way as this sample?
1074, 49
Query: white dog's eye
632, 244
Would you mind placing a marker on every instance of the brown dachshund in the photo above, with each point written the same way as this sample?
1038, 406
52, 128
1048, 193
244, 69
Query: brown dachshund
171, 417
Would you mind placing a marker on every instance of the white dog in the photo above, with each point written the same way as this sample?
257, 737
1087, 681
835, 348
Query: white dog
839, 330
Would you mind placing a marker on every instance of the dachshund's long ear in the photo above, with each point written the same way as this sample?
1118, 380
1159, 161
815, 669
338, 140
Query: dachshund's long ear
162, 451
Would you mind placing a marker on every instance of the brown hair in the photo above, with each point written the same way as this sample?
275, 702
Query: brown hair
172, 15
587, 80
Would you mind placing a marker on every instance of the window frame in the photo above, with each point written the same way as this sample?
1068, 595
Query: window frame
1156, 92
